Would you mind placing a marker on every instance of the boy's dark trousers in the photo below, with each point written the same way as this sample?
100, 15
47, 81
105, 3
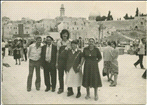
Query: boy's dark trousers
25, 53
139, 61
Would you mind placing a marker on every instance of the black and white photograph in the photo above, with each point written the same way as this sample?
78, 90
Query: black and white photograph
73, 52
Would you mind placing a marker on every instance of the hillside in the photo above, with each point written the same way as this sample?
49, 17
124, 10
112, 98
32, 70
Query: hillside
126, 36
134, 34
116, 37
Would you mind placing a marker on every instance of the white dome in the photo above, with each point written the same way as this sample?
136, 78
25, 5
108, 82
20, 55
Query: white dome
94, 13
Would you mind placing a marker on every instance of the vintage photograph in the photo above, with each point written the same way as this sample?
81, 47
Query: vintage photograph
73, 52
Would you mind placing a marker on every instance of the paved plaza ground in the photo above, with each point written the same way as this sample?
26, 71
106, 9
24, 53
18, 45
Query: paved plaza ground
131, 88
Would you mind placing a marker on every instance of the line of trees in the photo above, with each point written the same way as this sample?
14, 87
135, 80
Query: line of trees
103, 18
126, 17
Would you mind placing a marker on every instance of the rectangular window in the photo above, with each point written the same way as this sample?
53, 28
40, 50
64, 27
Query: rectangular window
15, 32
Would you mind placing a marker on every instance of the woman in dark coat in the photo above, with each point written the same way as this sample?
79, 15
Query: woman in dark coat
16, 51
91, 75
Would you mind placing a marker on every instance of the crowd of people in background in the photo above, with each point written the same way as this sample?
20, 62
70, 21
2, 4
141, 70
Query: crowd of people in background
68, 58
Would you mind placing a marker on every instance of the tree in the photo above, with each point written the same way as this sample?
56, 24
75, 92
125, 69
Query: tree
98, 18
137, 12
103, 18
126, 16
109, 17
38, 31
131, 17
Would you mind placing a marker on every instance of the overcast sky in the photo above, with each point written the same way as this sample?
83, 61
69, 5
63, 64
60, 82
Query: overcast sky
37, 10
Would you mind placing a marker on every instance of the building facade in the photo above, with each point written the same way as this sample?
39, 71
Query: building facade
77, 26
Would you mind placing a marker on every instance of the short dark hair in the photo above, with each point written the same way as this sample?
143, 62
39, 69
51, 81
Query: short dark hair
80, 38
64, 31
38, 38
92, 39
74, 42
142, 39
109, 43
114, 43
50, 37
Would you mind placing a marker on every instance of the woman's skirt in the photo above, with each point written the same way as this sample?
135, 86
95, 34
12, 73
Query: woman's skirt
91, 75
114, 66
17, 54
73, 79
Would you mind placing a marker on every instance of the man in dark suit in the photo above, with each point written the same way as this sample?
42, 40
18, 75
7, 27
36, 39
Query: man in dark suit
48, 56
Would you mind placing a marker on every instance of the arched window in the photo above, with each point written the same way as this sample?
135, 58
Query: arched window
141, 23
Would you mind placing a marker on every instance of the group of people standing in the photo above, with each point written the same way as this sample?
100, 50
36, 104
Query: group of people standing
19, 48
67, 58
110, 55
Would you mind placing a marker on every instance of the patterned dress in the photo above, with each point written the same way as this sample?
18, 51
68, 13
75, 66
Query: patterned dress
114, 62
91, 75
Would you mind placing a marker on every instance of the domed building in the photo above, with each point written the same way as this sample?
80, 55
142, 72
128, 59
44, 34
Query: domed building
93, 15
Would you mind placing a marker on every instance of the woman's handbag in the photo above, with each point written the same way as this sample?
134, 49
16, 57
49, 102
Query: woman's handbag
104, 74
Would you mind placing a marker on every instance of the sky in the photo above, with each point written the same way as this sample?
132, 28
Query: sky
37, 10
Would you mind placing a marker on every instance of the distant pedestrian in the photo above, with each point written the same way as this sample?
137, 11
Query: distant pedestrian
3, 47
141, 53
107, 60
34, 55
21, 49
16, 51
10, 49
80, 43
114, 62
25, 49
74, 69
91, 75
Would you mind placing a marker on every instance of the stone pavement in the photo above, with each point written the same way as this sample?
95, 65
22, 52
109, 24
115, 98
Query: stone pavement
131, 88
